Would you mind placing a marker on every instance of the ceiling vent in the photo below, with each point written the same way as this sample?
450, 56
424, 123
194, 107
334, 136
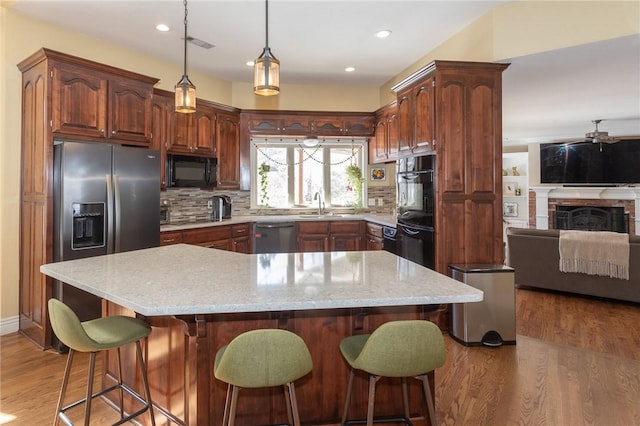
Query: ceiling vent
200, 43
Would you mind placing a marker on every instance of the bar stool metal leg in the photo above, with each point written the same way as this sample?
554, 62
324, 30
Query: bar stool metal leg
87, 405
293, 404
405, 398
120, 391
63, 388
427, 394
145, 382
347, 399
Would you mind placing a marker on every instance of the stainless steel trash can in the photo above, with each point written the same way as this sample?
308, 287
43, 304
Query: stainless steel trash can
491, 322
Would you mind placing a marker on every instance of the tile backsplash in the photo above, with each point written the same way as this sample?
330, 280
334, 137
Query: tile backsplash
189, 205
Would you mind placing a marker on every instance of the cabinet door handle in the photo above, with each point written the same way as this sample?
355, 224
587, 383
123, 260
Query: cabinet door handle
113, 132
169, 240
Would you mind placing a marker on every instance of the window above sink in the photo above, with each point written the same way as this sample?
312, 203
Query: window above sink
286, 173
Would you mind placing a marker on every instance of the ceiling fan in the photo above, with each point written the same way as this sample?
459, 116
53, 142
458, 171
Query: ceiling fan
599, 137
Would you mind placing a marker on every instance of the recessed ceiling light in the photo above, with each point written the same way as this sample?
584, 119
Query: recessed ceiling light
349, 69
162, 27
250, 63
383, 33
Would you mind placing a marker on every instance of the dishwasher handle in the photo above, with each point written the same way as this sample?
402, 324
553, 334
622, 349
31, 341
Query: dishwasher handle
275, 225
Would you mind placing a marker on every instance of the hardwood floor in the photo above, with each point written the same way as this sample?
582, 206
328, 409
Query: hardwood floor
576, 362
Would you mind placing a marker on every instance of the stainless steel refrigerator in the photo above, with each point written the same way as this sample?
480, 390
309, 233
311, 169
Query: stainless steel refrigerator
106, 200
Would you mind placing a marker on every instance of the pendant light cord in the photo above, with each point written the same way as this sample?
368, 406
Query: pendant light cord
185, 37
266, 17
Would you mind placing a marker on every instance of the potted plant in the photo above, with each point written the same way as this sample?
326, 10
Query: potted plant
262, 172
355, 181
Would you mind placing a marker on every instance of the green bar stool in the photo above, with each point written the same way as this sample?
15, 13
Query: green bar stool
93, 336
400, 349
262, 358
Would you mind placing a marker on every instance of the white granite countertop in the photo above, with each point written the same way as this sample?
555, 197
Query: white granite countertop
183, 279
387, 220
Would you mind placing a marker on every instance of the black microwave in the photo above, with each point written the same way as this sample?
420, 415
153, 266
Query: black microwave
185, 171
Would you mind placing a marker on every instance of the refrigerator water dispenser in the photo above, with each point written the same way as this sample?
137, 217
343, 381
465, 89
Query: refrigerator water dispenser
88, 225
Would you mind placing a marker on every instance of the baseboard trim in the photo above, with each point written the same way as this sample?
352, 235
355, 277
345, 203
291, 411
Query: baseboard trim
9, 325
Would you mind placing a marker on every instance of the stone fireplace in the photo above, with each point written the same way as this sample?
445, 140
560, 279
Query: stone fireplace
589, 208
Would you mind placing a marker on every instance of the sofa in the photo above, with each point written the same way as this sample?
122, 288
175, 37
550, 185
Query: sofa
534, 255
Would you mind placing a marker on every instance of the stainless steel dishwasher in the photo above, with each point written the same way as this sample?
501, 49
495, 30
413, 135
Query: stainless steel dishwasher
274, 237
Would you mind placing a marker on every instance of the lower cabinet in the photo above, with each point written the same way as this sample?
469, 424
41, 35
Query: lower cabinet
373, 238
339, 235
346, 235
218, 237
168, 238
241, 241
224, 237
312, 236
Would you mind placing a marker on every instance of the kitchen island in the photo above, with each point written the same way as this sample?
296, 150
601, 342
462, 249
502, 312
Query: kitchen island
198, 299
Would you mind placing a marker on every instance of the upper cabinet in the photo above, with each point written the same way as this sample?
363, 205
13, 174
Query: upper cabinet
162, 110
309, 124
194, 133
416, 118
295, 125
383, 147
88, 101
228, 149
344, 125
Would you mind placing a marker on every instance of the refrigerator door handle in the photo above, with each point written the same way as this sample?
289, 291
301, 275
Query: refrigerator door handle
110, 212
117, 212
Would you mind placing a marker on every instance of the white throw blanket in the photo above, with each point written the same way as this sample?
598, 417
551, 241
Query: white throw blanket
595, 253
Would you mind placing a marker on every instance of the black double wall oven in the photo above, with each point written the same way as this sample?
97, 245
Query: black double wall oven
415, 208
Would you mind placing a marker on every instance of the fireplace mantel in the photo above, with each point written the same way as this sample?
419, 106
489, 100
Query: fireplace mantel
544, 193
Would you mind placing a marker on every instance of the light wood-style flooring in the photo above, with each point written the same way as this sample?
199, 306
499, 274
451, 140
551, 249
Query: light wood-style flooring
576, 362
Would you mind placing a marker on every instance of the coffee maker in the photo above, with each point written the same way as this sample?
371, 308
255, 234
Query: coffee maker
221, 207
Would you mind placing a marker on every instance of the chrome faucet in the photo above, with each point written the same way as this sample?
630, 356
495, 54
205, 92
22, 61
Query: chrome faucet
318, 197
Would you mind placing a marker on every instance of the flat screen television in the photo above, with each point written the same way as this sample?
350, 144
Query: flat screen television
588, 163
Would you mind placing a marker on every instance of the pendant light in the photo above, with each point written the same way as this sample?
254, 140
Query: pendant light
185, 90
266, 77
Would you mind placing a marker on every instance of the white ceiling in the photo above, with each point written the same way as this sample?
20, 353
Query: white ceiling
548, 96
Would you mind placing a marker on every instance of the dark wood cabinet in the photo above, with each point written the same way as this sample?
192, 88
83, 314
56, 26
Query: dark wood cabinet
302, 124
79, 100
346, 235
383, 147
416, 118
218, 237
338, 235
162, 106
457, 106
312, 236
87, 102
194, 133
359, 126
241, 238
170, 237
373, 237
280, 124
344, 125
236, 238
228, 150
64, 96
